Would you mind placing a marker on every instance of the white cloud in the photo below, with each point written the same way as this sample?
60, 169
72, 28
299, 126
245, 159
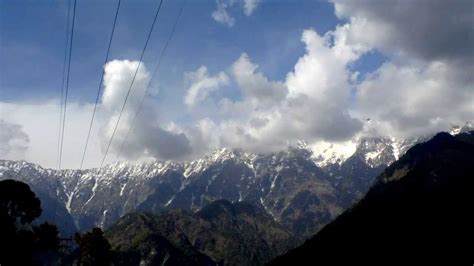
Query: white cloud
254, 84
117, 79
250, 6
421, 90
345, 42
148, 136
414, 100
223, 7
320, 74
201, 85
221, 14
311, 104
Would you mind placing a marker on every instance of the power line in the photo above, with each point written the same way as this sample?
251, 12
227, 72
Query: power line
131, 84
62, 82
152, 77
61, 107
67, 84
100, 83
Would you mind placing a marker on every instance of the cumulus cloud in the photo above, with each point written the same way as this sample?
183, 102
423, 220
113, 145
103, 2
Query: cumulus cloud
118, 75
254, 84
13, 140
311, 104
147, 136
202, 84
319, 86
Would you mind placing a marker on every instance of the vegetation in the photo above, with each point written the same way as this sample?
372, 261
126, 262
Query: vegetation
222, 232
94, 249
21, 242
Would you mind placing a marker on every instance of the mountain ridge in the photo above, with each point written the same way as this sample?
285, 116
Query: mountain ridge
417, 209
228, 233
289, 185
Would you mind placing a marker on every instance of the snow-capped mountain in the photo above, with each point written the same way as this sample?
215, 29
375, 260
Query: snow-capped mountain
281, 183
375, 151
303, 187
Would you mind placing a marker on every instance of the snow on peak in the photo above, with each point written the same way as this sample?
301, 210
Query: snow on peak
222, 154
468, 126
217, 156
326, 153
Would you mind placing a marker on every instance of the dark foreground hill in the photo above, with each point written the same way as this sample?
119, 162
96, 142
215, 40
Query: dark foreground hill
420, 208
221, 233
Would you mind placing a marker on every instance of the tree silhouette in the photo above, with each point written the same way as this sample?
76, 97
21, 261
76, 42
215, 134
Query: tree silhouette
94, 248
18, 204
47, 237
19, 245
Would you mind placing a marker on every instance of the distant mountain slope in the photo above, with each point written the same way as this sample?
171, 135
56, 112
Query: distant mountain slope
420, 208
228, 233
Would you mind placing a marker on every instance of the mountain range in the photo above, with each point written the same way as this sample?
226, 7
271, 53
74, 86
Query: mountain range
302, 188
236, 208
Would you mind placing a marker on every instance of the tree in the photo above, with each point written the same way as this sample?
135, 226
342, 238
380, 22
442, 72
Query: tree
94, 248
18, 204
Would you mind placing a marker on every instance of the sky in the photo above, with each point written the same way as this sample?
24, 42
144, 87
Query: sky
257, 75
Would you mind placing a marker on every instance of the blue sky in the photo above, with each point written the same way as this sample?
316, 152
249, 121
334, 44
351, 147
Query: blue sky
33, 40
273, 73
